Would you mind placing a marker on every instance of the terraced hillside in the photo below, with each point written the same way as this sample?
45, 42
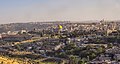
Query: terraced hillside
5, 60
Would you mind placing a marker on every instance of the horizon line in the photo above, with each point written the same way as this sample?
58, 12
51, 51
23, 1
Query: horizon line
84, 21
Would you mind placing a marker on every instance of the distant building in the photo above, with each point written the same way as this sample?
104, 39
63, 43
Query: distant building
117, 57
15, 38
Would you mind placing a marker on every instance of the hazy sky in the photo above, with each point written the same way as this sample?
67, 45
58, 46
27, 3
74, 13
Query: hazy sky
52, 10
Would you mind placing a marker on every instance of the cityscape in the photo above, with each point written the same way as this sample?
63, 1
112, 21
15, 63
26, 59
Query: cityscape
60, 42
59, 32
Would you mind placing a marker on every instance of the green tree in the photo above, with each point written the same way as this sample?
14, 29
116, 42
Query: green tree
73, 59
92, 56
62, 55
82, 61
110, 45
18, 47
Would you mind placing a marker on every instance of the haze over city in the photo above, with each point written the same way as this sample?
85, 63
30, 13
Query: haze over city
59, 32
13, 11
